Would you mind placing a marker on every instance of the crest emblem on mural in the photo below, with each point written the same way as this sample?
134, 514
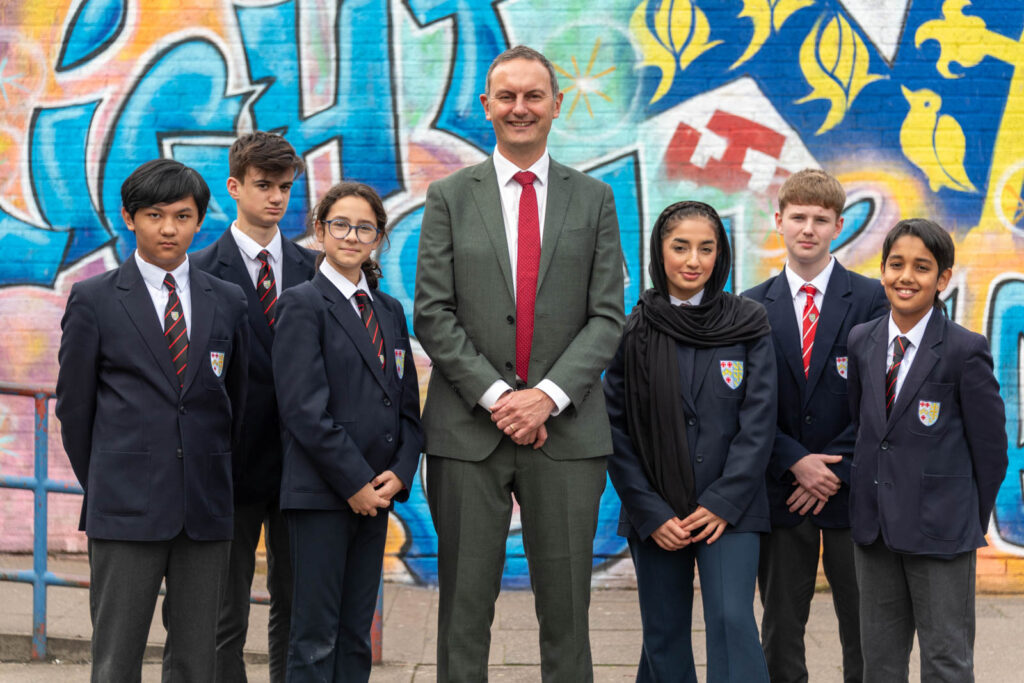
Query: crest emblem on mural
400, 362
732, 373
842, 362
217, 362
928, 412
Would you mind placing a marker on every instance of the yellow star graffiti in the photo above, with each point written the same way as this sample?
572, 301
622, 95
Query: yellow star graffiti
585, 83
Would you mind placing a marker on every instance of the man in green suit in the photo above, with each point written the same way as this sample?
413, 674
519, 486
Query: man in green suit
519, 306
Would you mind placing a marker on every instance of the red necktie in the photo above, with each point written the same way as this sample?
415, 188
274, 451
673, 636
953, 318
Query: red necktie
527, 265
174, 329
809, 325
899, 348
372, 328
266, 287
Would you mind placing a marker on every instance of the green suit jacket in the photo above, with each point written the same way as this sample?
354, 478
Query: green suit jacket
464, 313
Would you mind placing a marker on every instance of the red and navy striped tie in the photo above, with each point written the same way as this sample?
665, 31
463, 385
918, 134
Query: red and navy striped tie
175, 331
899, 348
266, 287
370, 320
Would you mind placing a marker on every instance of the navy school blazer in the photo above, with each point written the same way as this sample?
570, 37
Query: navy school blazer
730, 423
152, 457
344, 420
257, 459
814, 412
926, 478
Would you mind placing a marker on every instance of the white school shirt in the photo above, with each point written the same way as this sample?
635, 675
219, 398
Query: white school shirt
345, 286
153, 276
250, 249
820, 282
915, 335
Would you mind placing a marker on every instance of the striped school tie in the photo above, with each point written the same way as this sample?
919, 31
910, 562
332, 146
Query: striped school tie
175, 331
370, 320
266, 287
899, 348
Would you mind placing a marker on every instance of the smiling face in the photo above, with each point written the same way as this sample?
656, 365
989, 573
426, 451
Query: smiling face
911, 277
164, 232
348, 254
807, 231
520, 105
262, 198
689, 250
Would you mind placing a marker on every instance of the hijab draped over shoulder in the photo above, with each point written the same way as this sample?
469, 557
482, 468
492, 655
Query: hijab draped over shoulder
654, 405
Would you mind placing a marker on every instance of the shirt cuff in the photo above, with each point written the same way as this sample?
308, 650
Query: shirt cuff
561, 399
492, 394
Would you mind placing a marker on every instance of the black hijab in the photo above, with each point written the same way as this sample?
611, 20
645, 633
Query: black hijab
654, 405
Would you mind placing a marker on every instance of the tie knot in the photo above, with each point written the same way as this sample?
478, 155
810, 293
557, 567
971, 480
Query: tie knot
169, 282
901, 345
809, 289
525, 178
263, 257
361, 297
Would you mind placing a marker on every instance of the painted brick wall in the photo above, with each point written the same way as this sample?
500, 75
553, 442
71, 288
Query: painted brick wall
916, 107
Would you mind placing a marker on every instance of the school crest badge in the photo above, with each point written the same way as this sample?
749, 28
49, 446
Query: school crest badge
400, 362
217, 362
928, 412
732, 373
842, 362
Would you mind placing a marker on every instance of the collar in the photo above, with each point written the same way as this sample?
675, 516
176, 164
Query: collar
692, 301
820, 280
251, 248
916, 333
342, 283
505, 169
154, 275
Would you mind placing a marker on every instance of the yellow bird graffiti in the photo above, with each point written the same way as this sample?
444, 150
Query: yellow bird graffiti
934, 143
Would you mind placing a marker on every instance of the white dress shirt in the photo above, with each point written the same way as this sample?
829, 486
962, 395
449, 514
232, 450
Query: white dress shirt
510, 192
820, 282
915, 335
250, 249
692, 301
345, 286
153, 276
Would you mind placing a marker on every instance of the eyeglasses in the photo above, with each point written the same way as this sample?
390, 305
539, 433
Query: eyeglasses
340, 228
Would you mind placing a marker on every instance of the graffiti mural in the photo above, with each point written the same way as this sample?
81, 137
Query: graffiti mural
916, 107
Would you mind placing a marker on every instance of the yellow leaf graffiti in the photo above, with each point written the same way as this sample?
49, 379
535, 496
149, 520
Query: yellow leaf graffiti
766, 15
835, 63
934, 143
680, 35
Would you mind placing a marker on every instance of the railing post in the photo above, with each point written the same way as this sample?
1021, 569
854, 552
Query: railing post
377, 626
39, 543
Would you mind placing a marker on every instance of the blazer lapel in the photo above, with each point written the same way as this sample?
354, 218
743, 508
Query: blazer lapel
874, 383
387, 328
925, 359
488, 203
779, 305
343, 313
296, 270
139, 305
701, 360
559, 194
685, 356
204, 307
233, 270
833, 312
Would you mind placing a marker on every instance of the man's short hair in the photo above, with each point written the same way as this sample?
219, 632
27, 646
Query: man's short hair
162, 181
523, 52
812, 187
267, 152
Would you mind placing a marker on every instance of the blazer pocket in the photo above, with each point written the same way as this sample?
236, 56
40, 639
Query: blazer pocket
931, 409
943, 498
836, 370
216, 362
119, 482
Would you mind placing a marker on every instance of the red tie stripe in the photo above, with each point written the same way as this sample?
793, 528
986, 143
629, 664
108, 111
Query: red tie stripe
372, 328
899, 348
809, 324
527, 267
175, 330
266, 287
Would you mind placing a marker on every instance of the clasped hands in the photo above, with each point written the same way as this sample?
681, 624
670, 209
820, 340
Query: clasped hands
521, 416
815, 482
376, 495
676, 534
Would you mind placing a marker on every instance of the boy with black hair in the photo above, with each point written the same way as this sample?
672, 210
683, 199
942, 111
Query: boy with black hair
254, 255
812, 305
150, 393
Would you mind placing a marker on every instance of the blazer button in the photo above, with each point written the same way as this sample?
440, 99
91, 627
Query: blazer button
511, 320
389, 438
700, 458
181, 409
179, 453
509, 366
807, 419
387, 402
885, 446
691, 421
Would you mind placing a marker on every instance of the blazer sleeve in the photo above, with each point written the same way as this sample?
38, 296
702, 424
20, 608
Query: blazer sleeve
984, 420
749, 451
437, 326
582, 361
300, 378
853, 382
407, 457
645, 509
77, 381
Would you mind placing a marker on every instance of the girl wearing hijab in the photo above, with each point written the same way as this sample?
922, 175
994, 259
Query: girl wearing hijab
692, 399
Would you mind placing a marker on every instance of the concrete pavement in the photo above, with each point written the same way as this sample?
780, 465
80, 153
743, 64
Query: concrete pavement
410, 614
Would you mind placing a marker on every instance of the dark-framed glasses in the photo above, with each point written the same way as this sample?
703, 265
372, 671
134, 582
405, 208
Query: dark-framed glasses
340, 228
